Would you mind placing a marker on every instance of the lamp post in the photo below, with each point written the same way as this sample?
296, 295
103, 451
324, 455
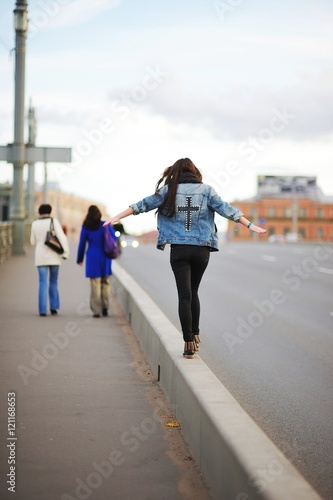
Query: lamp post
18, 153
17, 209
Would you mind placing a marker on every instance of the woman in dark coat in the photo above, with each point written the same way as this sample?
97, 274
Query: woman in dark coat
98, 266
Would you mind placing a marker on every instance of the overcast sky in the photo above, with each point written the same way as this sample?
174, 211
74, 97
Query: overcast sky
242, 87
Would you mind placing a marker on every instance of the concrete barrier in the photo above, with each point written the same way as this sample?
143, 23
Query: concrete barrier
236, 458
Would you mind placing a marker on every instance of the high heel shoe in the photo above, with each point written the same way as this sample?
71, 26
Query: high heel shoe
189, 350
196, 341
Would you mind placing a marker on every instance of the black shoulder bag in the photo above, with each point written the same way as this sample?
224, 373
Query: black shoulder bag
52, 240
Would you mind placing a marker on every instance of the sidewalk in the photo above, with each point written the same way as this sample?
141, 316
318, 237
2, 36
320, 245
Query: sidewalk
91, 421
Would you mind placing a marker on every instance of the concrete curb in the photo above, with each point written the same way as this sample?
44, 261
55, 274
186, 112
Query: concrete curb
237, 459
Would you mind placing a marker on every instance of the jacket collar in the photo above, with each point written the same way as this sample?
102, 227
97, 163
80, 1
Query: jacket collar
188, 178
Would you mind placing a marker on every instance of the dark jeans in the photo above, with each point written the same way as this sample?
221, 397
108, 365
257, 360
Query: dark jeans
188, 263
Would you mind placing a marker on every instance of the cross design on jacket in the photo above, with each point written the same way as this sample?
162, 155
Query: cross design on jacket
188, 209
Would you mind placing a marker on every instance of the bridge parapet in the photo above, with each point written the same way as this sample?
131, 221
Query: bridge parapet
6, 239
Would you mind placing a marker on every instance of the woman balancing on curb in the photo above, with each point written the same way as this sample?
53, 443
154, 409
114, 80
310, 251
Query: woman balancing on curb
186, 208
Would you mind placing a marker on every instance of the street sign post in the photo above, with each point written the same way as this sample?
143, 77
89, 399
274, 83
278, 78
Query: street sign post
33, 154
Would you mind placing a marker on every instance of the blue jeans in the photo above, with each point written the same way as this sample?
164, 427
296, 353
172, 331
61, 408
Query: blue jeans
189, 263
47, 287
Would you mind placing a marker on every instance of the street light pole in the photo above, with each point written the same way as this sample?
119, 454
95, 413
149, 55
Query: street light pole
17, 208
18, 153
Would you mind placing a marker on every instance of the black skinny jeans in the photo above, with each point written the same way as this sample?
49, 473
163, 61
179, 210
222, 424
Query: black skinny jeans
189, 263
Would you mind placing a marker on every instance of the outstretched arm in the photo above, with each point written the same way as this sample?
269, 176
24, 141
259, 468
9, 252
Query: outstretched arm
117, 218
252, 227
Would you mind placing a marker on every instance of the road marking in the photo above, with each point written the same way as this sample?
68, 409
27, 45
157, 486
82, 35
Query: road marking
269, 258
325, 270
298, 250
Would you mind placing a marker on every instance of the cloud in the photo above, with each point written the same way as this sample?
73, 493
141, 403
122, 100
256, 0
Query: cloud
228, 114
243, 110
297, 45
65, 13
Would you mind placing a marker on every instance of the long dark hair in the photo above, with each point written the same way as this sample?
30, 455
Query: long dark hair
170, 178
93, 218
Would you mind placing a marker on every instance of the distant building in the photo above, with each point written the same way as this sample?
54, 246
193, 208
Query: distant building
290, 208
68, 208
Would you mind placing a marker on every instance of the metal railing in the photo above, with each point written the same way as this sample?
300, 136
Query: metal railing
6, 239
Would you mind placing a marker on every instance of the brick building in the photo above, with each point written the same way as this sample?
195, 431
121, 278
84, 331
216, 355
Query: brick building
290, 208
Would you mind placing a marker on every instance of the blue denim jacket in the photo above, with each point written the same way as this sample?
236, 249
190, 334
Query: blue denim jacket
193, 221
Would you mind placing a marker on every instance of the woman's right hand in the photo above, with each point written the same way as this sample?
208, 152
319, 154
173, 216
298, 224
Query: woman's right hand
112, 221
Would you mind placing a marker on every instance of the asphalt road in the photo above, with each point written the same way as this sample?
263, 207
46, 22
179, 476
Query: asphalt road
267, 334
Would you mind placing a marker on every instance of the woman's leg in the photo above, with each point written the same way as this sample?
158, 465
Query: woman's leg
95, 296
42, 289
188, 263
181, 268
105, 294
53, 288
199, 264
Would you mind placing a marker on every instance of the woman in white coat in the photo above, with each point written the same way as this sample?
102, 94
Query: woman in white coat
47, 261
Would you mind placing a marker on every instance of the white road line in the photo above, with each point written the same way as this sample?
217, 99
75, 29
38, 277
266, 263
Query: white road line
325, 270
269, 258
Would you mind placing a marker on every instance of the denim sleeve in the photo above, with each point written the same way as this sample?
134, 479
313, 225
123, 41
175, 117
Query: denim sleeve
149, 203
223, 208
